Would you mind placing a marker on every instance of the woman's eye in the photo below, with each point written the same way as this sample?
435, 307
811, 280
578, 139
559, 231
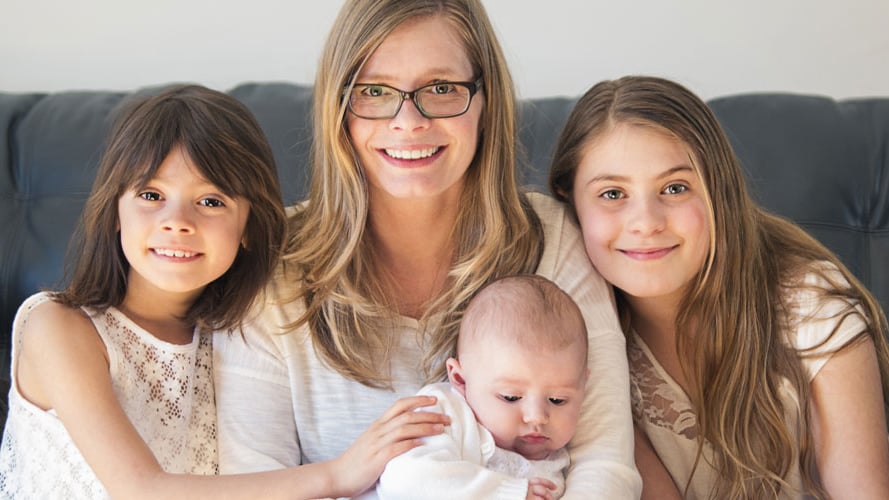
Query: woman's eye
149, 196
211, 202
558, 401
510, 399
442, 88
675, 189
374, 91
612, 194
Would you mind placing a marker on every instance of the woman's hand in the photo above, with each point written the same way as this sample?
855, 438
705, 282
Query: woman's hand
540, 489
397, 431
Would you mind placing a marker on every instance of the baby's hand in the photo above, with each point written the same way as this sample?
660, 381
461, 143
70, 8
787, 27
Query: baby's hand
397, 431
540, 489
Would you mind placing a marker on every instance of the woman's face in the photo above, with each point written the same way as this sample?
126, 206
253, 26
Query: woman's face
643, 212
411, 156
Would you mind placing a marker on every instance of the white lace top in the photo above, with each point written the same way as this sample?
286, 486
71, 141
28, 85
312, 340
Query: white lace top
663, 411
165, 389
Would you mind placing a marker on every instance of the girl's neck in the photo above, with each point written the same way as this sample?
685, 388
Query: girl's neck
654, 320
162, 316
413, 247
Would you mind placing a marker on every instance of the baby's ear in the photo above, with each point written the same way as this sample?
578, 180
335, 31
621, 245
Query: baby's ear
455, 376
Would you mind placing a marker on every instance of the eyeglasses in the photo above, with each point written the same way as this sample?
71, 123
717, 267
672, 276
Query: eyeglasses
437, 100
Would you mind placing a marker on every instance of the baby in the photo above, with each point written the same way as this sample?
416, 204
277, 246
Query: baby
514, 397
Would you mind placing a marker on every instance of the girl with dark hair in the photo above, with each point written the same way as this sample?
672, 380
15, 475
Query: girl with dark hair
112, 390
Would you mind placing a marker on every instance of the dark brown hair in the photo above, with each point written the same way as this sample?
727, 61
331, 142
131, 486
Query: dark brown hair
227, 146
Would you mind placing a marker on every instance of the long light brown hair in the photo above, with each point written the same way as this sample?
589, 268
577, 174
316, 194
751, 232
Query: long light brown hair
227, 146
329, 252
739, 301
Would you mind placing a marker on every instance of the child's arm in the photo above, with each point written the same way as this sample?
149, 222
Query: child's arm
657, 484
849, 425
62, 365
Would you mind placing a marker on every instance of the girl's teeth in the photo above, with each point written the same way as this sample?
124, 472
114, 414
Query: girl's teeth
173, 253
413, 154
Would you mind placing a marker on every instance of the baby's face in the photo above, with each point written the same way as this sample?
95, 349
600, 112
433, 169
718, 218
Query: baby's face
529, 400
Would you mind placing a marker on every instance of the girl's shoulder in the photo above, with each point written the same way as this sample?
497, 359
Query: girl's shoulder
823, 314
817, 290
546, 206
51, 341
40, 314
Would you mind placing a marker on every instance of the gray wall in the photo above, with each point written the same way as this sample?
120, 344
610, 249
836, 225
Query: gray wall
556, 47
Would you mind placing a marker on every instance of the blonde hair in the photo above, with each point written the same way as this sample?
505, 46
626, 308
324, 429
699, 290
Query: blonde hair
329, 251
740, 298
528, 310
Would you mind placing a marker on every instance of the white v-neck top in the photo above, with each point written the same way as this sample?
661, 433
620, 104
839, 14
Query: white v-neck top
280, 405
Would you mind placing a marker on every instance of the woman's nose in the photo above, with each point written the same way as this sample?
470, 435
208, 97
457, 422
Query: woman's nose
409, 117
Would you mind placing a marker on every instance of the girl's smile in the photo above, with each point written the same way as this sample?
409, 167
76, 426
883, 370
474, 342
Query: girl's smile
647, 253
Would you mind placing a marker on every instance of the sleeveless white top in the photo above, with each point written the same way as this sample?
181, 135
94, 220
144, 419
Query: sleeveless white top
664, 412
166, 390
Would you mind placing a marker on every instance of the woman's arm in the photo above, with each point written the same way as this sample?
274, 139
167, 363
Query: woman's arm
602, 448
254, 403
62, 365
849, 424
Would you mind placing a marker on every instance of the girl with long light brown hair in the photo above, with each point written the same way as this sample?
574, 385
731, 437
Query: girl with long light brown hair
759, 364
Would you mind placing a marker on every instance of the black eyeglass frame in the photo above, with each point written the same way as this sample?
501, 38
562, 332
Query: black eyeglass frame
473, 88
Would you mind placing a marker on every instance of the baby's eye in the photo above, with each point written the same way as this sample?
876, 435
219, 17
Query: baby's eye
558, 401
211, 202
612, 194
510, 399
150, 196
675, 189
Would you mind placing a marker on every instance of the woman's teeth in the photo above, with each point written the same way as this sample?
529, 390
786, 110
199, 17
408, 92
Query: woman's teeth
413, 154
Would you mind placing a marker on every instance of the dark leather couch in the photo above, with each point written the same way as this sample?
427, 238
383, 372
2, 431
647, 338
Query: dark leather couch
821, 162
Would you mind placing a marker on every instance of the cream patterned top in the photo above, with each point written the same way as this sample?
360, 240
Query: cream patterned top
166, 390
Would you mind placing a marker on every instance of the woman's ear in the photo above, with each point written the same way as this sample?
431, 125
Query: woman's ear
455, 376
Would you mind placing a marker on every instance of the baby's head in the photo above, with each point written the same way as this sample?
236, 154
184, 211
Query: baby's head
522, 363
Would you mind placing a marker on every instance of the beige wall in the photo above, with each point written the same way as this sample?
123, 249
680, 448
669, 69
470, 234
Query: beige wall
561, 47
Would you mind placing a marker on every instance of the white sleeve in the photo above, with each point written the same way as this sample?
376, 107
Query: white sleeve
817, 316
255, 421
449, 465
602, 460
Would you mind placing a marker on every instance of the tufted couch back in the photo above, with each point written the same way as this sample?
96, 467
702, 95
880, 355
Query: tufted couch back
820, 162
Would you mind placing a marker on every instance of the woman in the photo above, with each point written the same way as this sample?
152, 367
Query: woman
759, 364
413, 207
